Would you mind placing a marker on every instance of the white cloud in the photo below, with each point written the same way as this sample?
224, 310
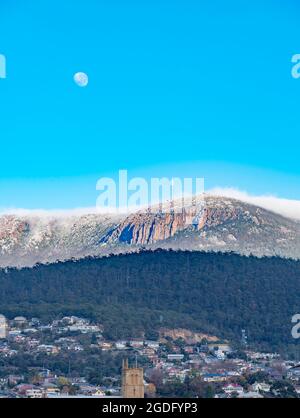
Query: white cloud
285, 207
51, 213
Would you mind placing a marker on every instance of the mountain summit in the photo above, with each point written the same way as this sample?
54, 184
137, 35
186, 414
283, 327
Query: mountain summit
220, 224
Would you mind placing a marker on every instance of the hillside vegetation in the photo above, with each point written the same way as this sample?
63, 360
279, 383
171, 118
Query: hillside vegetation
215, 293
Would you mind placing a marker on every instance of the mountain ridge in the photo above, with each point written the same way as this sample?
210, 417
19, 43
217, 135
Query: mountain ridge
220, 224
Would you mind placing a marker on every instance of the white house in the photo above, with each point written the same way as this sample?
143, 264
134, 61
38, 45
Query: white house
233, 388
263, 387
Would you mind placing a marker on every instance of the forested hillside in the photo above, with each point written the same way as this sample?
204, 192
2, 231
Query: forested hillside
130, 294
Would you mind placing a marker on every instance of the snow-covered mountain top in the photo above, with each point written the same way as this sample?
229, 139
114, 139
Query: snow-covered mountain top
217, 224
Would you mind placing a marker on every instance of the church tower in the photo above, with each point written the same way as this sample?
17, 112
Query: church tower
132, 381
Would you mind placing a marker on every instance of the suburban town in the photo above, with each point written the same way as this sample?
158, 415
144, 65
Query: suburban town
70, 357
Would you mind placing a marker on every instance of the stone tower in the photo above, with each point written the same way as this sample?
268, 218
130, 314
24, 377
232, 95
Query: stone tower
3, 327
132, 381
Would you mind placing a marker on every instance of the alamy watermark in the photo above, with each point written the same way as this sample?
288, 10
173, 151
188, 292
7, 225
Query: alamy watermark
165, 195
2, 66
82, 79
296, 327
296, 67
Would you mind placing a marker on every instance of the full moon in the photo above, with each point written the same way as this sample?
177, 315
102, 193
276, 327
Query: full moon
81, 79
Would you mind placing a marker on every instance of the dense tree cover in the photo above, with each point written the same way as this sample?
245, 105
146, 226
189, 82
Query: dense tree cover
97, 366
190, 388
131, 294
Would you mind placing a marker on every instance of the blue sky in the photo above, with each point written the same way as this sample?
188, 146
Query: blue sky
175, 88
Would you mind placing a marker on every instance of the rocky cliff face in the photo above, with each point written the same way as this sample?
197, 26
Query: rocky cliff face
217, 224
148, 228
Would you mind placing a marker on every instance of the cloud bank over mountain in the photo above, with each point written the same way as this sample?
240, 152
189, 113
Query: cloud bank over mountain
285, 207
222, 224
